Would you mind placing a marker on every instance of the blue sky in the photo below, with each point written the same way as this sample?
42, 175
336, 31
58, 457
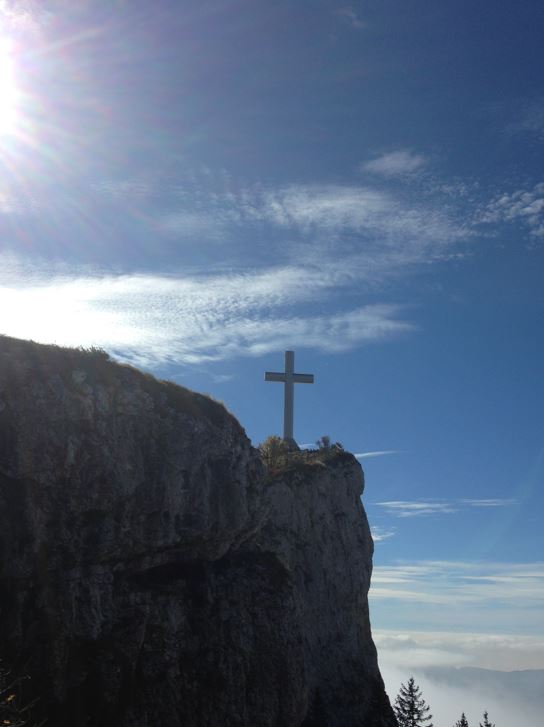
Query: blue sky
198, 186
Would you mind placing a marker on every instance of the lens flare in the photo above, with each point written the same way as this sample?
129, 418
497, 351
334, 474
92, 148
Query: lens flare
9, 94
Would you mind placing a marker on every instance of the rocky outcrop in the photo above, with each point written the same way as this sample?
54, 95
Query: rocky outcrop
152, 574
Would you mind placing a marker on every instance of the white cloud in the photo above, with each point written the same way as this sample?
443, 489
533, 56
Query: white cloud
379, 533
346, 239
415, 508
363, 210
328, 207
152, 319
357, 232
398, 163
492, 502
382, 232
381, 453
523, 206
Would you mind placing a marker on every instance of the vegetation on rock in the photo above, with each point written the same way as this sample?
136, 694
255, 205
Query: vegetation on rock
279, 456
93, 367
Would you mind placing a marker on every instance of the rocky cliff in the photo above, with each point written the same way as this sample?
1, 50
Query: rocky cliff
152, 574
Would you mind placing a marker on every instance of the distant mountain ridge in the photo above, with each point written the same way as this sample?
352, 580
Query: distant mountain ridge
527, 684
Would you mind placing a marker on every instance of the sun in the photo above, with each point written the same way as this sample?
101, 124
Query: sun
9, 94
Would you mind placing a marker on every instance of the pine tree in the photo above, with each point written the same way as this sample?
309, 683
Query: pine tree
462, 722
410, 707
486, 723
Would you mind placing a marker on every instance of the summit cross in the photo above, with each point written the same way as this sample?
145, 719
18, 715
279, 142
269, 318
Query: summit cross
289, 378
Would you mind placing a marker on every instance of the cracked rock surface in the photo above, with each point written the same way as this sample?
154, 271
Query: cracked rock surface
153, 575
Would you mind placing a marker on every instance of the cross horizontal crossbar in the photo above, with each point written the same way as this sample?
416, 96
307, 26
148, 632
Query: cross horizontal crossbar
295, 378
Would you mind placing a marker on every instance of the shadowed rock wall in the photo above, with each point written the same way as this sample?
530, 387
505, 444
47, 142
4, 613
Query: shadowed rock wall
152, 576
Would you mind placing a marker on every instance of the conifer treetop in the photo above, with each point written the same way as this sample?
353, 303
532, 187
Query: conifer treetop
410, 708
463, 722
486, 722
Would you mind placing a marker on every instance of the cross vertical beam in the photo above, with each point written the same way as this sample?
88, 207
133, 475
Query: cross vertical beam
289, 396
289, 378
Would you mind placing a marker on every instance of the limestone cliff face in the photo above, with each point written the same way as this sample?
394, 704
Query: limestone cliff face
153, 575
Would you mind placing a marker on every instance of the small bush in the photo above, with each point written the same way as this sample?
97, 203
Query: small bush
275, 453
279, 456
324, 442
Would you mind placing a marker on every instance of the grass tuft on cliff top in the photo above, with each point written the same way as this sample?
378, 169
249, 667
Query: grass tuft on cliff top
46, 360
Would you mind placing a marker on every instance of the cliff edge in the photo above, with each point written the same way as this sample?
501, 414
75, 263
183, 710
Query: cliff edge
153, 574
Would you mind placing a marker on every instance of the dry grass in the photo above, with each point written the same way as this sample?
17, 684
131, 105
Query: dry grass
45, 360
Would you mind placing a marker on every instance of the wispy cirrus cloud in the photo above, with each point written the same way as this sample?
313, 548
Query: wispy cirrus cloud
335, 239
490, 502
386, 231
378, 214
379, 453
399, 163
367, 233
512, 585
379, 534
417, 508
492, 610
151, 319
309, 210
484, 598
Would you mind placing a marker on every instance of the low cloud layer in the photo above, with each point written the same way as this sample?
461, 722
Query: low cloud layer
446, 666
505, 701
429, 649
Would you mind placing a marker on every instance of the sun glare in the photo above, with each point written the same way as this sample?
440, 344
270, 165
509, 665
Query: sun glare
8, 88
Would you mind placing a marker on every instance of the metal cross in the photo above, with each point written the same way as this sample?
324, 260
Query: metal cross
289, 378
